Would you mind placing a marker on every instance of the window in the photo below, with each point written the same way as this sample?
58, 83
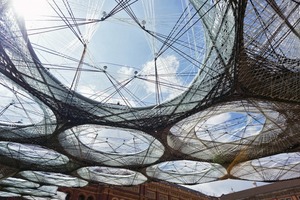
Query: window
90, 198
81, 197
68, 197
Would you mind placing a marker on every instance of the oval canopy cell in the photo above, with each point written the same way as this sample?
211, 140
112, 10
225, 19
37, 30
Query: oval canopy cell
114, 141
219, 133
185, 167
111, 146
21, 115
18, 182
109, 175
32, 154
186, 172
272, 168
8, 194
18, 107
43, 191
51, 178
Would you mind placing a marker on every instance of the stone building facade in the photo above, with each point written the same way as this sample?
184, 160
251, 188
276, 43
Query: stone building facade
285, 190
148, 191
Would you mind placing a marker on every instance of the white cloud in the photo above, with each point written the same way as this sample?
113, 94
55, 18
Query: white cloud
86, 90
219, 119
167, 75
91, 92
124, 73
6, 96
141, 89
229, 126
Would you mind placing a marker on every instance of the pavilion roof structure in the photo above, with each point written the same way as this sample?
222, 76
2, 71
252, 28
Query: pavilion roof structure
238, 117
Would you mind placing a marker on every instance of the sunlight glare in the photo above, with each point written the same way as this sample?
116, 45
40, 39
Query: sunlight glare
30, 9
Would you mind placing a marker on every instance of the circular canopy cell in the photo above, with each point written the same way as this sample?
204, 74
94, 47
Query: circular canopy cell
186, 172
113, 176
111, 145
